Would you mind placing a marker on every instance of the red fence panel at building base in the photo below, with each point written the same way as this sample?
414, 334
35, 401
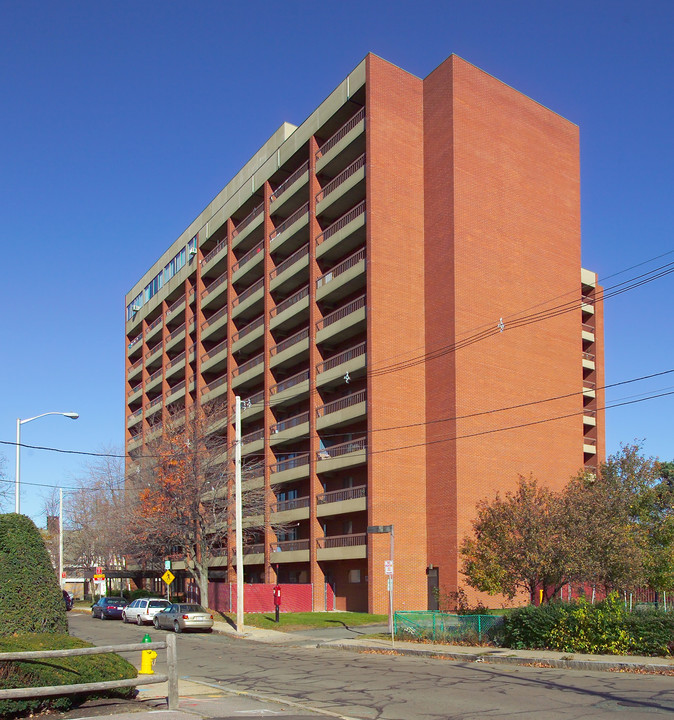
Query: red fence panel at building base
259, 597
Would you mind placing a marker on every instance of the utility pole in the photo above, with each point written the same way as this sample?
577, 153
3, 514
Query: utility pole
61, 538
238, 521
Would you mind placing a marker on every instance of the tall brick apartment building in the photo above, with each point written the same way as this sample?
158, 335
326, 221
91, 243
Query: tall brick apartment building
394, 289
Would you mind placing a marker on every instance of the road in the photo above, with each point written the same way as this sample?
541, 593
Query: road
374, 686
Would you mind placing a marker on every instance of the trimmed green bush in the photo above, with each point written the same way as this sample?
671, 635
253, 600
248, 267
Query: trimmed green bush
30, 597
605, 627
58, 671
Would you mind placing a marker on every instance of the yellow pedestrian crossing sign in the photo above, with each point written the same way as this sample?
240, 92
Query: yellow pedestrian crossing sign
168, 577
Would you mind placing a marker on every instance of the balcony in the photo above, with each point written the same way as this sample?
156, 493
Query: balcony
215, 360
289, 551
251, 406
248, 298
342, 279
338, 412
344, 234
154, 380
175, 336
589, 446
248, 370
589, 417
135, 343
337, 502
217, 321
214, 389
290, 510
154, 406
289, 187
342, 547
287, 350
293, 468
344, 455
135, 369
175, 365
284, 272
135, 392
289, 428
345, 321
248, 334
253, 442
253, 554
248, 262
588, 332
589, 389
177, 392
219, 249
335, 368
154, 327
135, 418
290, 227
252, 221
341, 140
588, 361
587, 305
292, 387
214, 290
341, 193
287, 310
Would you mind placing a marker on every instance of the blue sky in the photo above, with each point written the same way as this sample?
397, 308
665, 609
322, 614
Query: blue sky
120, 122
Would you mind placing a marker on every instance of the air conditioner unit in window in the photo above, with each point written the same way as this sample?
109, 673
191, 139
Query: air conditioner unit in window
193, 251
135, 308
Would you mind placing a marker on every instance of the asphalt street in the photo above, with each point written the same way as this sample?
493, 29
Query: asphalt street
387, 686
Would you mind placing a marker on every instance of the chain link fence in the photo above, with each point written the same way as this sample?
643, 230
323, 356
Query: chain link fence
445, 627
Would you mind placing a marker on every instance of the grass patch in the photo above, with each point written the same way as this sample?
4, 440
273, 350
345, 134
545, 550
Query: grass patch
289, 622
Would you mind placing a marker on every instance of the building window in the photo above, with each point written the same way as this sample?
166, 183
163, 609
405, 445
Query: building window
354, 575
134, 306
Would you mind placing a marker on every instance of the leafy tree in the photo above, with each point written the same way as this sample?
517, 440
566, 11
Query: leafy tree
5, 487
30, 596
184, 495
657, 517
517, 545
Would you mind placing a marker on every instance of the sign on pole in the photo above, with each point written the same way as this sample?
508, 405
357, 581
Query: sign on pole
168, 577
388, 567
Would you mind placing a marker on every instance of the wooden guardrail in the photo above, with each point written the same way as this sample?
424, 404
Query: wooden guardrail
34, 692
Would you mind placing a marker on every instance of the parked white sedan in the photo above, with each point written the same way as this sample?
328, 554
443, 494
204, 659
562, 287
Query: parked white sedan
143, 610
183, 616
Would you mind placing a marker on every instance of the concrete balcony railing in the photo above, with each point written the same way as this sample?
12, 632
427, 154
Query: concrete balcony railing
248, 220
289, 182
248, 292
214, 285
353, 493
289, 546
254, 325
292, 381
339, 269
335, 451
291, 463
219, 383
340, 134
289, 342
289, 262
343, 357
341, 178
293, 504
252, 437
589, 446
300, 215
255, 253
341, 223
218, 318
220, 247
248, 365
335, 541
289, 423
341, 404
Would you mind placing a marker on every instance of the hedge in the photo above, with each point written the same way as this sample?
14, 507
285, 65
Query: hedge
605, 627
58, 671
31, 600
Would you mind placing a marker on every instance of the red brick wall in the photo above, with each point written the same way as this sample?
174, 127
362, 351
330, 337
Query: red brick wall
395, 282
502, 241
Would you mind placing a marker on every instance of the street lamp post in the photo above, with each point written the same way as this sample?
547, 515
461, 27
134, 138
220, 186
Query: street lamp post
377, 530
17, 481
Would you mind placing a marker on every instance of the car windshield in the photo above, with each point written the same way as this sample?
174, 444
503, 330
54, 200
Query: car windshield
158, 603
191, 608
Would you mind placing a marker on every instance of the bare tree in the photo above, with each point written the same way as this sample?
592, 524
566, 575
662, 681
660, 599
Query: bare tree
184, 493
95, 514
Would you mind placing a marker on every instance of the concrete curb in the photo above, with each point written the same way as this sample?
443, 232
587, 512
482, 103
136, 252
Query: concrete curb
537, 661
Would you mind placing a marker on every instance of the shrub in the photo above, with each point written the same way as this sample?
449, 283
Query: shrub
30, 597
652, 632
58, 671
528, 627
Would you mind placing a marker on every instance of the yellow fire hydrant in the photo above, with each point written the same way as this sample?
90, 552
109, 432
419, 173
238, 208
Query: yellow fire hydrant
147, 658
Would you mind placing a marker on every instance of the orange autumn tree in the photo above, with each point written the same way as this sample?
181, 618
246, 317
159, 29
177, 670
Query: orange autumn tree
184, 489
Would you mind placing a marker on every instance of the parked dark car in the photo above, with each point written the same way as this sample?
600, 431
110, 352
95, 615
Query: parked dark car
68, 600
109, 607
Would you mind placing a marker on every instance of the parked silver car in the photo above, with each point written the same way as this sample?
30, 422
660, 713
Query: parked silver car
183, 616
143, 610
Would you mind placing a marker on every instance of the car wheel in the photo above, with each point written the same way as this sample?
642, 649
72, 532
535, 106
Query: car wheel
139, 620
155, 622
103, 616
176, 626
124, 618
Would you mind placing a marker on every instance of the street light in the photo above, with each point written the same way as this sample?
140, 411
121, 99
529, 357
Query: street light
378, 530
19, 423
